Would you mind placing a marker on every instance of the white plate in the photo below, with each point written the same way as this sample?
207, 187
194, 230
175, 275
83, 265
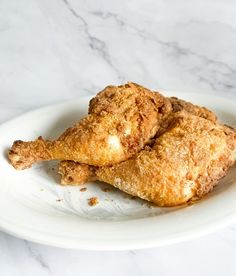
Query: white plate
34, 207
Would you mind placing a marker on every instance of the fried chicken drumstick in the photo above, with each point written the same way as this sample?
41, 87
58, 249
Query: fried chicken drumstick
185, 162
121, 120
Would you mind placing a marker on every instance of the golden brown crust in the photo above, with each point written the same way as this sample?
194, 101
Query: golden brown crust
178, 105
184, 163
76, 173
122, 120
190, 154
93, 201
23, 154
70, 168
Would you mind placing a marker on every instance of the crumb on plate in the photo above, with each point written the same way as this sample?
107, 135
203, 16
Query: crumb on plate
83, 189
93, 201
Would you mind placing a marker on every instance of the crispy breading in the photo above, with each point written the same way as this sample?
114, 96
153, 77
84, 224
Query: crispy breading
185, 162
75, 173
82, 172
121, 120
178, 105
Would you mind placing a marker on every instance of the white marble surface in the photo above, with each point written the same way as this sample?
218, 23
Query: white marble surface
51, 51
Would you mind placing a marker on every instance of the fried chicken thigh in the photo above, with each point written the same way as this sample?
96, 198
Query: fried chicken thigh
185, 162
122, 119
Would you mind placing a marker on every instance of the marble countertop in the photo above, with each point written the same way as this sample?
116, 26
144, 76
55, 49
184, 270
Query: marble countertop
51, 51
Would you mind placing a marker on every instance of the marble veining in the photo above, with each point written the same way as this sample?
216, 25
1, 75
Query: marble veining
36, 256
95, 43
52, 51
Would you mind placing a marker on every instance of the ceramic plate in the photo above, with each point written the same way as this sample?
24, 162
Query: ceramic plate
34, 207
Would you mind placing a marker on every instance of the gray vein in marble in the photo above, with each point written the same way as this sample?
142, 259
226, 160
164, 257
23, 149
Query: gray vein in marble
95, 44
106, 15
204, 22
210, 83
132, 252
37, 257
91, 90
221, 68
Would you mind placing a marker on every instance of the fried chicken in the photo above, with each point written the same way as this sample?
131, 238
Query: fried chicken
164, 150
122, 119
83, 173
185, 162
178, 105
